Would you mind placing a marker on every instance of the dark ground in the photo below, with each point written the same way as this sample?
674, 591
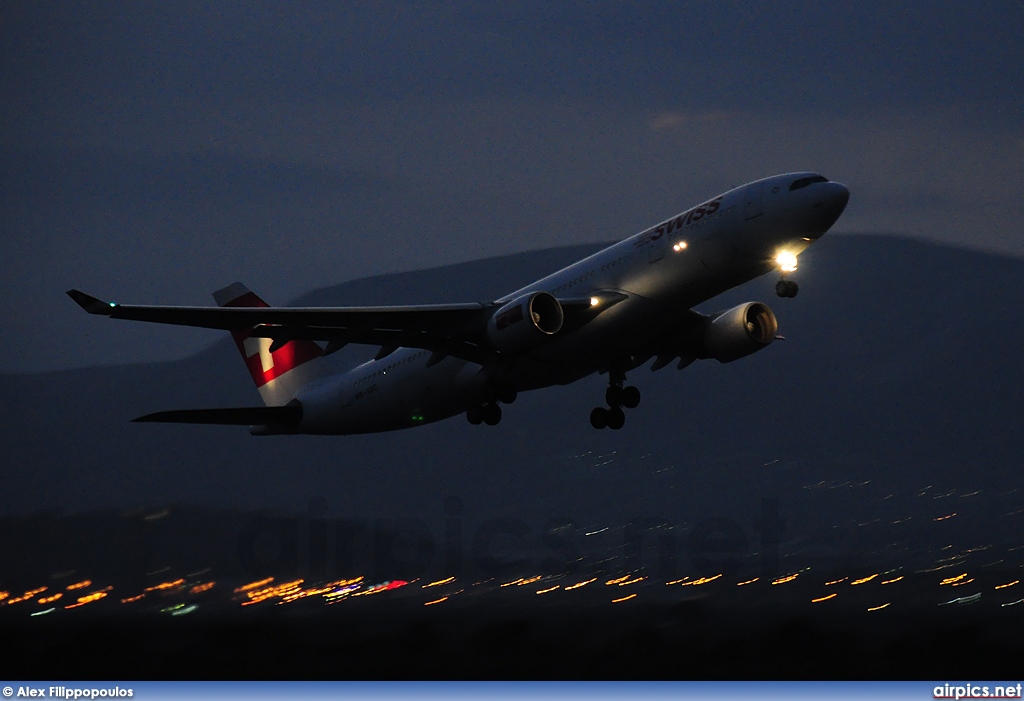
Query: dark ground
686, 640
881, 438
903, 622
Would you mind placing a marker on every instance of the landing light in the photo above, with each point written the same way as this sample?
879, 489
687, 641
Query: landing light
594, 301
786, 261
679, 246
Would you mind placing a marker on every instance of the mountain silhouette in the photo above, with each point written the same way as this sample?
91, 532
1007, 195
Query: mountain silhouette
895, 397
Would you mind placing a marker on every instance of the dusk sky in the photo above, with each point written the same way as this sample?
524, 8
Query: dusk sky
154, 152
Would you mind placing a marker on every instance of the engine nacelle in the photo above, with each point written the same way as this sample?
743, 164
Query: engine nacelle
525, 322
738, 332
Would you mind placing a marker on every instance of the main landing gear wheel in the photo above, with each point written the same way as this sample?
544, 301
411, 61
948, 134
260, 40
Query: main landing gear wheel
628, 397
488, 411
613, 418
489, 414
616, 418
617, 397
492, 414
786, 288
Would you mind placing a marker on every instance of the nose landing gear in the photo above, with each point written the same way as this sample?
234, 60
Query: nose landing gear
617, 397
787, 262
786, 288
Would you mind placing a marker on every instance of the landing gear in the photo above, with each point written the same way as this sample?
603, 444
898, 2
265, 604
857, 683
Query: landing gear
613, 418
492, 414
617, 397
628, 397
616, 418
786, 288
489, 414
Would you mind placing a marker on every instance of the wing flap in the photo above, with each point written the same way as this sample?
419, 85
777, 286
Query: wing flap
679, 343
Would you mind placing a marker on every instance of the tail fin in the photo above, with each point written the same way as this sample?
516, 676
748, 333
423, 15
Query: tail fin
279, 374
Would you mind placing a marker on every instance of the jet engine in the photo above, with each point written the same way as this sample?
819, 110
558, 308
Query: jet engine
525, 322
738, 332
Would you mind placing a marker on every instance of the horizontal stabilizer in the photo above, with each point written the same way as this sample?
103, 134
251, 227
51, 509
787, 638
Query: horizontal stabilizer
279, 416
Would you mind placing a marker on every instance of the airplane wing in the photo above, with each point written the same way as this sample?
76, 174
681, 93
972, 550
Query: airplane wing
411, 318
681, 342
446, 329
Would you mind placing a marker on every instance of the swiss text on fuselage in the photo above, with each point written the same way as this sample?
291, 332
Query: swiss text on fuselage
685, 219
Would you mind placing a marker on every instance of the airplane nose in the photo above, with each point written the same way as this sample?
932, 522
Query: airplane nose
840, 196
827, 206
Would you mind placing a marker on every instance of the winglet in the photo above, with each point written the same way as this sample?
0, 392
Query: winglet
90, 303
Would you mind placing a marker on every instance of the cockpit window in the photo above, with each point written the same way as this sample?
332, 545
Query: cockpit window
804, 182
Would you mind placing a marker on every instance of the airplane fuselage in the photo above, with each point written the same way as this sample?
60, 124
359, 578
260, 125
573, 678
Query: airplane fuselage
657, 275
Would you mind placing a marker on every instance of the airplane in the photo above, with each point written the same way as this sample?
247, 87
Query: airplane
609, 313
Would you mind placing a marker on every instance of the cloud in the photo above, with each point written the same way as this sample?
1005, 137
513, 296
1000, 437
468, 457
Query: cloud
677, 120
